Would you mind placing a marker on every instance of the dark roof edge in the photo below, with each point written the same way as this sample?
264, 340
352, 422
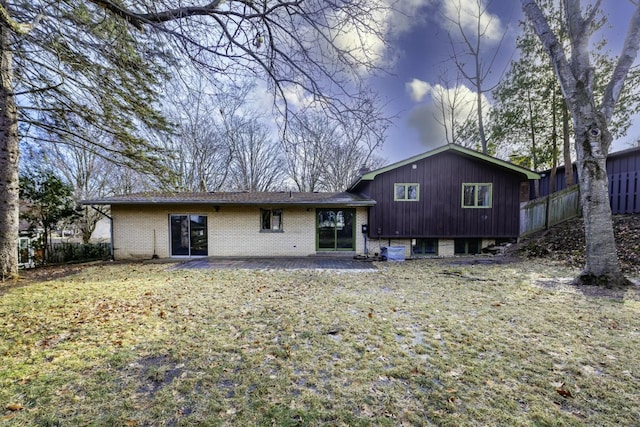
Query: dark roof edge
225, 203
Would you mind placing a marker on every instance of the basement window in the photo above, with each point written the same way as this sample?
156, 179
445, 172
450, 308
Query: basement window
424, 247
467, 246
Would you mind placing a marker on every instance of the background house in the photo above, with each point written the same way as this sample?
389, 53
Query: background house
451, 200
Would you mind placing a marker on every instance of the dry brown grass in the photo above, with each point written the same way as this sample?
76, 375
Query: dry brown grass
417, 343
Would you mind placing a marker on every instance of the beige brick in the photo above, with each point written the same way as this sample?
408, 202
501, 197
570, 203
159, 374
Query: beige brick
139, 231
446, 247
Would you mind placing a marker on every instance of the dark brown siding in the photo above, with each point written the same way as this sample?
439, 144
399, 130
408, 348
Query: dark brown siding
439, 211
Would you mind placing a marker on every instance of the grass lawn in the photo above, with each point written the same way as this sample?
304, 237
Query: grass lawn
416, 343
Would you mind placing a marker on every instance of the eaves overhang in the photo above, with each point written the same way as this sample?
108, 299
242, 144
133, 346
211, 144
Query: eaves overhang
307, 199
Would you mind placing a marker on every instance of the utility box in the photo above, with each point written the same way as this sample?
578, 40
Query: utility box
393, 253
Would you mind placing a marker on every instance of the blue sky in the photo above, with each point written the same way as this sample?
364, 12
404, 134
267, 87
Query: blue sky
421, 48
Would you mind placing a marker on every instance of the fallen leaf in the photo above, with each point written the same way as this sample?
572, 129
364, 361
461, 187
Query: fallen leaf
562, 391
14, 407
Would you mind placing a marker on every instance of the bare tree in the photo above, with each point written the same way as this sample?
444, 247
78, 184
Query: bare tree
257, 163
454, 108
88, 173
468, 41
353, 149
324, 154
591, 121
306, 147
97, 64
197, 153
221, 141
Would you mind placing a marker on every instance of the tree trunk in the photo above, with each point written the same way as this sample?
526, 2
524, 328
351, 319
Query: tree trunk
483, 137
592, 137
601, 261
566, 145
9, 184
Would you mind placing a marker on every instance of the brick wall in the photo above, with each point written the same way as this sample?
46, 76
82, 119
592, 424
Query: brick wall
232, 231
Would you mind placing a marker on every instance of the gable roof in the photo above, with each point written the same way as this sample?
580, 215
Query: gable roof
369, 176
240, 198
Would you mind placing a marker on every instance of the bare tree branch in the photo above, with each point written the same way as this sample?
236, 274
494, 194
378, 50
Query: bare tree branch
625, 61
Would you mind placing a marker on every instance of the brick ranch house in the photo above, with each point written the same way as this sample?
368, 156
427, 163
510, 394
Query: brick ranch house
235, 223
447, 201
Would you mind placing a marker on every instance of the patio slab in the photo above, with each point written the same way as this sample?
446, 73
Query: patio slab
279, 263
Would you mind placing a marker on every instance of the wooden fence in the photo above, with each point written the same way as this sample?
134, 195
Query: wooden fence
544, 212
624, 190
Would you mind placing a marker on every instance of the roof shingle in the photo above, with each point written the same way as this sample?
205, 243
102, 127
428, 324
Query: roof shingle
288, 198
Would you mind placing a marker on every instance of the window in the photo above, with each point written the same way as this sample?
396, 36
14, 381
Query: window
406, 192
188, 235
335, 230
424, 246
476, 195
467, 246
271, 220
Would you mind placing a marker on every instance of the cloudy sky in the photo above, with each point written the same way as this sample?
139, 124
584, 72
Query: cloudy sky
421, 50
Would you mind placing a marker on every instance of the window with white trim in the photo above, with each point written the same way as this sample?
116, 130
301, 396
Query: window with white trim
406, 192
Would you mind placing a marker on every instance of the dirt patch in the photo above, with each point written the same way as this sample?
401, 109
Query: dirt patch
41, 274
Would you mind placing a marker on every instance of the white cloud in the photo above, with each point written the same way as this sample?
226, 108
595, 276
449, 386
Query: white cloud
467, 12
297, 97
430, 133
365, 37
443, 105
418, 89
406, 14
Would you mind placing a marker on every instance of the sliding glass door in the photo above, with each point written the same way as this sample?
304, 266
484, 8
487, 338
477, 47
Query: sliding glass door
188, 235
335, 229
